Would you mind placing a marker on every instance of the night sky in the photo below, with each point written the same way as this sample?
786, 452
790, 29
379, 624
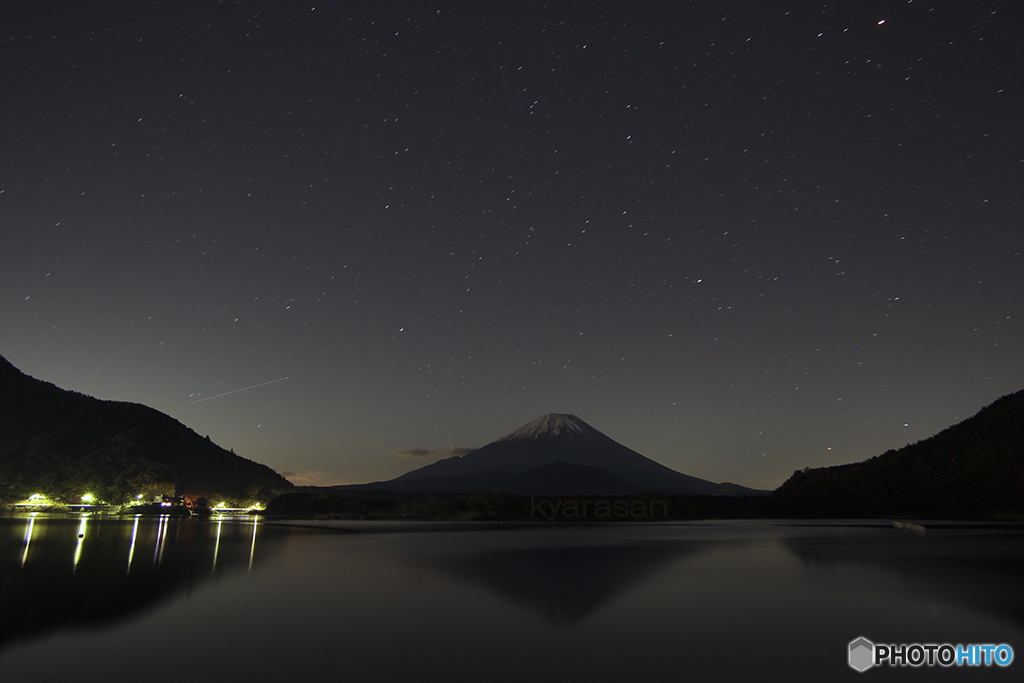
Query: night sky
739, 238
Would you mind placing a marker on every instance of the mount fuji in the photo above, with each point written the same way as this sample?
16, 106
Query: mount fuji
555, 455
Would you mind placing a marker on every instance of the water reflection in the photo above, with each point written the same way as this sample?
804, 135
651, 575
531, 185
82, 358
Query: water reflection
978, 569
216, 545
131, 548
28, 536
81, 539
57, 571
708, 602
252, 544
561, 582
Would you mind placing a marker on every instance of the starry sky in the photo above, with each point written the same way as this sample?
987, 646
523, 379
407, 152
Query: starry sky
739, 238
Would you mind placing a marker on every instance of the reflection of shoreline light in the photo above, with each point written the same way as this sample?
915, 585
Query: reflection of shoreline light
161, 536
81, 538
46, 536
252, 550
216, 546
131, 550
28, 536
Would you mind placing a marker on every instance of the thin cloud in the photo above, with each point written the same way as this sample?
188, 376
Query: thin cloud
416, 453
433, 452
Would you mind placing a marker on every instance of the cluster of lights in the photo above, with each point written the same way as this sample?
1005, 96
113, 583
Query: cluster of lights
223, 507
88, 499
35, 500
41, 500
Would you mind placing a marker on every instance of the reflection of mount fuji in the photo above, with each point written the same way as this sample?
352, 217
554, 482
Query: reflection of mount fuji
65, 572
555, 455
563, 584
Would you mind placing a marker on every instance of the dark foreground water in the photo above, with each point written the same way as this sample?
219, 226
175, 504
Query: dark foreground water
87, 599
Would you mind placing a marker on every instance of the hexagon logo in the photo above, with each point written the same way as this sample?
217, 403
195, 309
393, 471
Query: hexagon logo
862, 654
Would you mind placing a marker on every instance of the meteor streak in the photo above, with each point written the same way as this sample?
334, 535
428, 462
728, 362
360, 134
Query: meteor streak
227, 393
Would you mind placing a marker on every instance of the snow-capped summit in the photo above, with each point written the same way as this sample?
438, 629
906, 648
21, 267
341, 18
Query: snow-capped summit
550, 425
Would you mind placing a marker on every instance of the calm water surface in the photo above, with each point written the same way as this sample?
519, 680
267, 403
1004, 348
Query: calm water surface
88, 599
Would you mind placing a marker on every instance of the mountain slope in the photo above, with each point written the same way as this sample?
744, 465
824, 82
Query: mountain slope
974, 468
64, 444
513, 465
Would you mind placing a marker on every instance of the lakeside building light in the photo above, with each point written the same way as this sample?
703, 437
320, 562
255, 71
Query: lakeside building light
88, 498
35, 500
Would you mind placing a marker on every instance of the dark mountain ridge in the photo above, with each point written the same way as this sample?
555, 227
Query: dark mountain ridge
972, 469
63, 443
558, 454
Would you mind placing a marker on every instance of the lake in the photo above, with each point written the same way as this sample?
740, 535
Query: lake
236, 599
